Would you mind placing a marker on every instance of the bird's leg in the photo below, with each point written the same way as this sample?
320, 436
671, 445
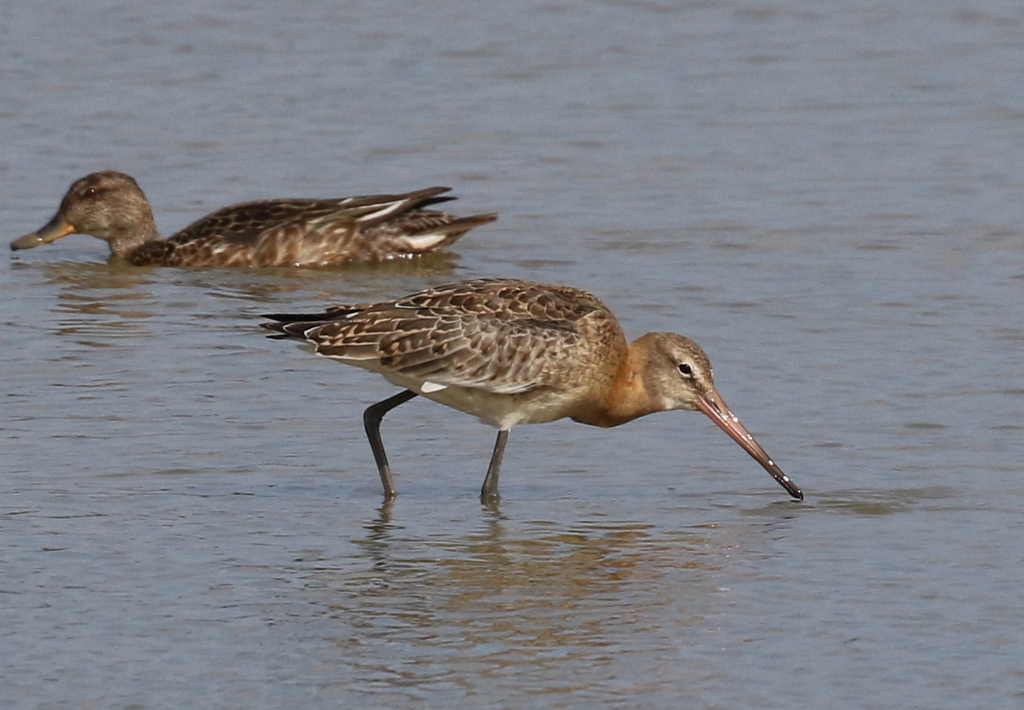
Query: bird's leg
371, 422
489, 492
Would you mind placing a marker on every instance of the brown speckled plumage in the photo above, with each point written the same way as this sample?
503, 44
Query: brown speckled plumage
517, 352
287, 232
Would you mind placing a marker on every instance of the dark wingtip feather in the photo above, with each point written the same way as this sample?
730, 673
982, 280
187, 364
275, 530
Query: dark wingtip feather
279, 333
294, 329
436, 200
290, 318
296, 325
430, 196
332, 313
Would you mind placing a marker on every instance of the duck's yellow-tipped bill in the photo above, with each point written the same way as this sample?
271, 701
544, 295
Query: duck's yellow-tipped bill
54, 230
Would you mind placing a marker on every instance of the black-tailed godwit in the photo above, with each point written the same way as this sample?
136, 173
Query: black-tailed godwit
516, 352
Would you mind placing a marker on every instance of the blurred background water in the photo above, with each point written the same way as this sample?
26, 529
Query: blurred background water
826, 196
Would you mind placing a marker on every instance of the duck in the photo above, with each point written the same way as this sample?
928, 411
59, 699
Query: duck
513, 352
111, 206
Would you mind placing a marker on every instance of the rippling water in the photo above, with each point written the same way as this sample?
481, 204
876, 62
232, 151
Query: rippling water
825, 196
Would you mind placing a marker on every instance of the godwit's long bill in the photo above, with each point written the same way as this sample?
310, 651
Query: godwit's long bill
516, 352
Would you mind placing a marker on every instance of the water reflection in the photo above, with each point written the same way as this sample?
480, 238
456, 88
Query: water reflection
115, 299
79, 280
875, 502
507, 595
323, 286
94, 301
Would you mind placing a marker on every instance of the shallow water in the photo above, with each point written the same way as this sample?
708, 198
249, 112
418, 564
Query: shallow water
826, 197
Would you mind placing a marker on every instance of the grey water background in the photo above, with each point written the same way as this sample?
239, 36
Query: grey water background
826, 196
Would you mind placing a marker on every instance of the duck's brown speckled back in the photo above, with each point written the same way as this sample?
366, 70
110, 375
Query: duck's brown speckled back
286, 232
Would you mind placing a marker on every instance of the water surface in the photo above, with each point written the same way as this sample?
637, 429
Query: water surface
826, 197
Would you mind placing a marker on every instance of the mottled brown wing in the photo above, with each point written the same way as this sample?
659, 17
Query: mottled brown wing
500, 336
244, 223
248, 222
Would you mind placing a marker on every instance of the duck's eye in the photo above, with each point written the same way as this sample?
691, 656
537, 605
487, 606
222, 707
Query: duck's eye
90, 192
685, 370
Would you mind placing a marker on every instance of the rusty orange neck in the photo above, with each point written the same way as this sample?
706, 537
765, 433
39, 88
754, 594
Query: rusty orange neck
628, 397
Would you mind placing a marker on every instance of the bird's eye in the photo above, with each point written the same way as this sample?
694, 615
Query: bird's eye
89, 192
685, 370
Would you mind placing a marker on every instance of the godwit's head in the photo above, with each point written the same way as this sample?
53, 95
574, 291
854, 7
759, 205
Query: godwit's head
678, 376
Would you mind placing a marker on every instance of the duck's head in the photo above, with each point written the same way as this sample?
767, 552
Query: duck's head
108, 205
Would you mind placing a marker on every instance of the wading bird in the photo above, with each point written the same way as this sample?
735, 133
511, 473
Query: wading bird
516, 352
